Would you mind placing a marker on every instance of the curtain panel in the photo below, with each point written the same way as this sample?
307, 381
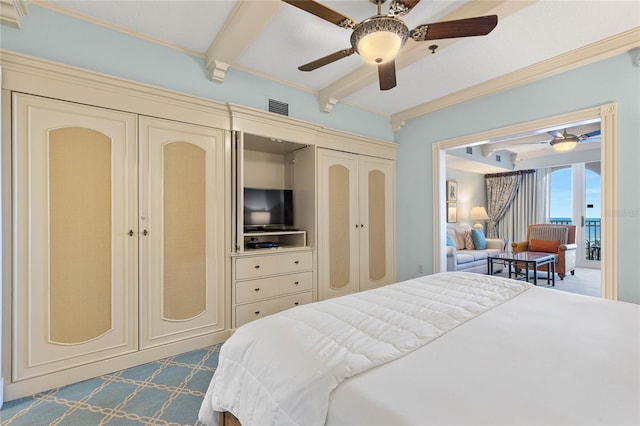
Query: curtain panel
501, 191
524, 210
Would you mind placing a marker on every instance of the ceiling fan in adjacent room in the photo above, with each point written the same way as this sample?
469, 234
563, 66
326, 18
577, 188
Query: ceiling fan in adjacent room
566, 142
379, 38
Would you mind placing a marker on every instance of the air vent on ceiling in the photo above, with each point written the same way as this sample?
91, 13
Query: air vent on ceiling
469, 150
278, 107
498, 158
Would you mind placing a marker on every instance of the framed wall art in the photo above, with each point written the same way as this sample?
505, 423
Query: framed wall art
452, 212
452, 190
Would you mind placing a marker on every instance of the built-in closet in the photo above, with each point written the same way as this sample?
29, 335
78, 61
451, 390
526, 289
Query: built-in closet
356, 222
124, 234
119, 248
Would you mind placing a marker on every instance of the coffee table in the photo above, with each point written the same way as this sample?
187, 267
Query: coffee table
525, 261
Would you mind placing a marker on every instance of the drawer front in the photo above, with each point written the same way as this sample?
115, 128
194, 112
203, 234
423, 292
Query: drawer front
249, 291
253, 311
287, 302
294, 262
254, 267
261, 266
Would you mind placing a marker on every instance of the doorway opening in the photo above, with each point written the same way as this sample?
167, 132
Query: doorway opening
606, 115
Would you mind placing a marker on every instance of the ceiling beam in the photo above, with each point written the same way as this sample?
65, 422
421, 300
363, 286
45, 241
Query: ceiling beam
245, 22
368, 74
11, 11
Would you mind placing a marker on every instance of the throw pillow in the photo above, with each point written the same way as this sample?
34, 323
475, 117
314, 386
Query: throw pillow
479, 241
450, 242
545, 246
468, 241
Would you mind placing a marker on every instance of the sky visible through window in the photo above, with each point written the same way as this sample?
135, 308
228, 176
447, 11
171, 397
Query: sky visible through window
560, 203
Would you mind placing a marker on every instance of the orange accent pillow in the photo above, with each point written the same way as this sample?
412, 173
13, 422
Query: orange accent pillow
545, 246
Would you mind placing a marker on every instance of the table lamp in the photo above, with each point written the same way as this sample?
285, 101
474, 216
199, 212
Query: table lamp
478, 214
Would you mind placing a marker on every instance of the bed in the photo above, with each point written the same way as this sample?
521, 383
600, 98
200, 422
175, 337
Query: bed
452, 348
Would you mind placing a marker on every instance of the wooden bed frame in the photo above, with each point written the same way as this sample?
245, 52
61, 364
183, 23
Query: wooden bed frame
228, 419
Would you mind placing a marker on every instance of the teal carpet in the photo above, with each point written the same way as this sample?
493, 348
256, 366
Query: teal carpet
165, 392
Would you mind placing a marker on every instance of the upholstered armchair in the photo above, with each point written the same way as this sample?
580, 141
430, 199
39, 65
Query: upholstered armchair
557, 239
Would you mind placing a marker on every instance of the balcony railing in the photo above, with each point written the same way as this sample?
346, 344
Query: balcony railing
592, 235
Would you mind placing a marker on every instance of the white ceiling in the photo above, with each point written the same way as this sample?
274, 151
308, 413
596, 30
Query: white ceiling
271, 39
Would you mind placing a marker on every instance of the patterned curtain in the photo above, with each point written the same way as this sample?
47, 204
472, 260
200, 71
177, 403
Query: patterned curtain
523, 210
501, 189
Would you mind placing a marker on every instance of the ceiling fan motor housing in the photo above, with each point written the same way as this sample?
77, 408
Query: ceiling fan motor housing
378, 39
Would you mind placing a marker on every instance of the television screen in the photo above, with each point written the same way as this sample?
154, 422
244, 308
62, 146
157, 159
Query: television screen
268, 207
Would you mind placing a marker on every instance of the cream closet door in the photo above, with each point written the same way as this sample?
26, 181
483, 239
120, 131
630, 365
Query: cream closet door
377, 219
182, 187
74, 185
338, 223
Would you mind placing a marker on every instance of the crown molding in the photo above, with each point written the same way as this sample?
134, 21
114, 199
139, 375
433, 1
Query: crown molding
11, 11
91, 20
594, 52
29, 74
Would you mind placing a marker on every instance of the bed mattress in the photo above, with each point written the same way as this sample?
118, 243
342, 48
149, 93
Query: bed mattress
533, 357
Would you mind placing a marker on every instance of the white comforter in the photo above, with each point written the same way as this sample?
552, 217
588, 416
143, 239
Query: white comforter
282, 369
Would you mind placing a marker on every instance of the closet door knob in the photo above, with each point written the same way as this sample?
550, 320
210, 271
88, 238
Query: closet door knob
131, 232
296, 303
297, 282
257, 312
257, 266
296, 262
145, 232
256, 290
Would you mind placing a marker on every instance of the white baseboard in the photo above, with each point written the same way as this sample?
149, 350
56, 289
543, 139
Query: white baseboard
34, 385
1, 391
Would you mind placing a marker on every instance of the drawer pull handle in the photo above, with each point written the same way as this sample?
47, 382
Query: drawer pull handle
256, 289
296, 303
296, 262
257, 266
257, 312
297, 282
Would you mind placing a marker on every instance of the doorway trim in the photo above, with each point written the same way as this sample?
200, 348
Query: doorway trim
607, 114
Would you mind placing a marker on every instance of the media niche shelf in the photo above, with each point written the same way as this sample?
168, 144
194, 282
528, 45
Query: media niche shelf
270, 240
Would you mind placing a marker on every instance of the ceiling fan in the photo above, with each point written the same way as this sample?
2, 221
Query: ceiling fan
566, 142
379, 38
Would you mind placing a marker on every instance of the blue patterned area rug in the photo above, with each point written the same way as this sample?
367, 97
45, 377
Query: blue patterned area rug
165, 392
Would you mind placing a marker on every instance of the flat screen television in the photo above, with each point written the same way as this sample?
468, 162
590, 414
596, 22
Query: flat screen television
266, 209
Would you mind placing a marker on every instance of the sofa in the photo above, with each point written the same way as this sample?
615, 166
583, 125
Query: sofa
460, 255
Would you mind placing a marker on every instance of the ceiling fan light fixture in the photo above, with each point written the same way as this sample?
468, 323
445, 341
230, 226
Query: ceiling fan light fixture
564, 143
379, 39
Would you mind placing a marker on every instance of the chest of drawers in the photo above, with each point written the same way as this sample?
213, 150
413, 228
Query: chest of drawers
264, 284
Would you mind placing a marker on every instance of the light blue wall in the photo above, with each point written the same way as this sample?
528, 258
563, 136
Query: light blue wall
611, 80
61, 38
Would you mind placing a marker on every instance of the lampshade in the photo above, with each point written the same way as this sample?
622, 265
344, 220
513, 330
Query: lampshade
478, 213
564, 143
379, 39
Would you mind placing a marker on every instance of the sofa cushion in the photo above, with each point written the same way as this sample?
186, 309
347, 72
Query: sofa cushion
545, 246
468, 241
465, 257
479, 241
457, 234
450, 242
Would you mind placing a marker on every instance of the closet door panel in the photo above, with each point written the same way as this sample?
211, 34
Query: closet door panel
181, 231
338, 224
377, 242
75, 296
